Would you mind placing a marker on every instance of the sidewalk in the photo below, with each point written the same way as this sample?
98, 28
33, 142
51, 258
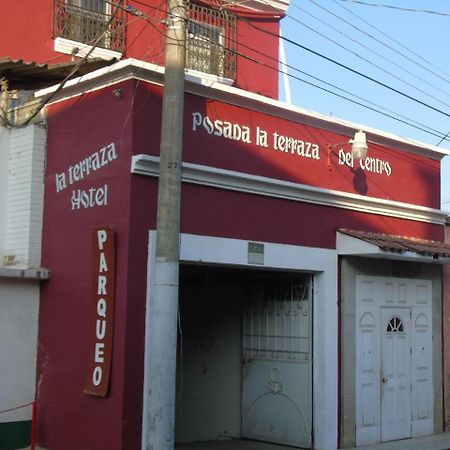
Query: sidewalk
434, 442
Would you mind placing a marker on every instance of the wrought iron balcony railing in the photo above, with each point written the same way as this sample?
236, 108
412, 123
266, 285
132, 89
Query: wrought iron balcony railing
211, 46
87, 25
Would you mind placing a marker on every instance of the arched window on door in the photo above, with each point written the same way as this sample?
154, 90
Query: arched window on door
395, 325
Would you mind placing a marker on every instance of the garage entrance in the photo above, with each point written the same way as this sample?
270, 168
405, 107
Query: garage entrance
245, 358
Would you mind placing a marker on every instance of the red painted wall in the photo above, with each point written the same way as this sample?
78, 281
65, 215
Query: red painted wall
27, 35
80, 127
26, 29
402, 177
257, 60
68, 418
214, 212
146, 33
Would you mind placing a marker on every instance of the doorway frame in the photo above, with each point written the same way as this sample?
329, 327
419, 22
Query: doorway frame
350, 267
322, 263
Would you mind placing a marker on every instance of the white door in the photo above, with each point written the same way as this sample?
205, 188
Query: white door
277, 386
395, 373
394, 359
421, 372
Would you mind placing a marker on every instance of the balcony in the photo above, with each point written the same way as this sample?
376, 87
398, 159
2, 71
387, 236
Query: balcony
211, 46
84, 25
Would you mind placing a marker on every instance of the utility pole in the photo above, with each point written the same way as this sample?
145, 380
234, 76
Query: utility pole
164, 299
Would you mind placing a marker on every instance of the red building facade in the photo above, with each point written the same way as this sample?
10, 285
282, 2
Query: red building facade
254, 171
310, 297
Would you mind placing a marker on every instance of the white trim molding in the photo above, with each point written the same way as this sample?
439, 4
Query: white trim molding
206, 78
25, 274
270, 187
79, 49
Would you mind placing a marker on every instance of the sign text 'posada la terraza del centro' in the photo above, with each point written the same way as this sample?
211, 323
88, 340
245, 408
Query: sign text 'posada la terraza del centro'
280, 143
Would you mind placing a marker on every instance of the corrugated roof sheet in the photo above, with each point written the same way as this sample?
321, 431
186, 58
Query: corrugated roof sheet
393, 243
31, 75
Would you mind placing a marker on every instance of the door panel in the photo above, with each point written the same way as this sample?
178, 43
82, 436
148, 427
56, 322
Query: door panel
277, 379
422, 383
396, 374
367, 362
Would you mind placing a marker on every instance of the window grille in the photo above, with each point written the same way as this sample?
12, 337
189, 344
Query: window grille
277, 321
85, 20
211, 42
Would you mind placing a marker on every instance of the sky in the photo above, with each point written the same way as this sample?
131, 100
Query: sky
402, 44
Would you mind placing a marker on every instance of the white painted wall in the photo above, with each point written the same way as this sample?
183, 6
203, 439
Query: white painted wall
19, 304
4, 153
22, 164
25, 194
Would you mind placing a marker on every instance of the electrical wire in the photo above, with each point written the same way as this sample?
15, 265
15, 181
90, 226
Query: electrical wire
400, 8
406, 121
75, 69
357, 42
400, 118
447, 80
404, 47
350, 69
329, 59
376, 108
382, 33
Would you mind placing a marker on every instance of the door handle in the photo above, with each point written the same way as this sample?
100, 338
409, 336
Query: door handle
384, 380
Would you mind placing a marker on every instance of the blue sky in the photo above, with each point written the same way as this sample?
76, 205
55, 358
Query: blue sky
407, 50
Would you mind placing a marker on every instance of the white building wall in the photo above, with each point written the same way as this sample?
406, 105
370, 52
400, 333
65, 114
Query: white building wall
19, 305
25, 194
4, 154
22, 165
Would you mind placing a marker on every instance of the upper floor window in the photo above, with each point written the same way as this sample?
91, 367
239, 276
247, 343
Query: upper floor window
211, 41
86, 21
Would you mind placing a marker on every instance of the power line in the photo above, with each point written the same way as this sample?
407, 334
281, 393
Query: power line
400, 118
370, 50
404, 47
328, 59
447, 80
376, 107
381, 5
350, 69
74, 70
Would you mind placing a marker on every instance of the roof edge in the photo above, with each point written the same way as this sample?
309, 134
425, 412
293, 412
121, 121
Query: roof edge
133, 68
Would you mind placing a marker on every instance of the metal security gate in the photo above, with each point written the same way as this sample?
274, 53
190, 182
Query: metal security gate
277, 362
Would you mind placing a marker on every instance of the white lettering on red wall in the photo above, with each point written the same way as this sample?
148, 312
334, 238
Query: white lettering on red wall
89, 198
288, 145
243, 133
368, 164
102, 313
93, 196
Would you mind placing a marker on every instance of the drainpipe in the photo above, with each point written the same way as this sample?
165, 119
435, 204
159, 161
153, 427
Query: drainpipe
162, 342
